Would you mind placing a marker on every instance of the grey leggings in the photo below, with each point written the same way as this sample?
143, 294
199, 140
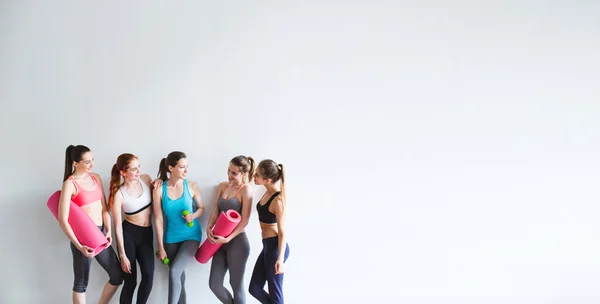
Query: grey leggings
234, 256
180, 254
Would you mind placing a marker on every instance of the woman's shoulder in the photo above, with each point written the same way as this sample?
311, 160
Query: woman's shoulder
146, 179
96, 176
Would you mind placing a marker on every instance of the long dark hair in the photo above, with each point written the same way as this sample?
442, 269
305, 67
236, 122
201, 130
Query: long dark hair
73, 154
170, 160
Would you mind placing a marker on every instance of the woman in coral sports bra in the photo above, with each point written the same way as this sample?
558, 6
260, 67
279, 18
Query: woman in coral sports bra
84, 188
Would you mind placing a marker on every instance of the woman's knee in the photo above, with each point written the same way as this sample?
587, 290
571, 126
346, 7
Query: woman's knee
255, 290
79, 287
175, 275
116, 277
214, 284
129, 280
147, 275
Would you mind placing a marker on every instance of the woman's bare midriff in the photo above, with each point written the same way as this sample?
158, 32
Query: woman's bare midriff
142, 218
268, 230
94, 211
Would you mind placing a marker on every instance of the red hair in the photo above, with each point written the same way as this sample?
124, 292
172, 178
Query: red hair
115, 175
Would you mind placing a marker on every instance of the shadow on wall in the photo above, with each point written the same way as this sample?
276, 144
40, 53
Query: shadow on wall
37, 255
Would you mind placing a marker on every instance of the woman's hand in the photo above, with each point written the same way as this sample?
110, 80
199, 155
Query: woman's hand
219, 239
109, 239
210, 236
125, 265
161, 254
157, 183
87, 251
190, 217
279, 266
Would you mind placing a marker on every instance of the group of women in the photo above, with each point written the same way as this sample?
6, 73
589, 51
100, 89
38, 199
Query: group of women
138, 204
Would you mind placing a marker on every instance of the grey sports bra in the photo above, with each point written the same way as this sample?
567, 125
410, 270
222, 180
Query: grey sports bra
230, 203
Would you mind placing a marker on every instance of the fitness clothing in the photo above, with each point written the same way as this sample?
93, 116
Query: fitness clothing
232, 256
138, 242
107, 258
177, 230
264, 272
180, 255
83, 197
133, 205
264, 215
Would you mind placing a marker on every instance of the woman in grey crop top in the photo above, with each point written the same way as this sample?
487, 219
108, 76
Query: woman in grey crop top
234, 194
131, 193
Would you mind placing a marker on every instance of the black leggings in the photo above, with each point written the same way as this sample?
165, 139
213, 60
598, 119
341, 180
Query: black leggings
107, 258
138, 243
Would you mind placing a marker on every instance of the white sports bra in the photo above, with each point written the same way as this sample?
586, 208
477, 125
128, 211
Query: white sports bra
133, 205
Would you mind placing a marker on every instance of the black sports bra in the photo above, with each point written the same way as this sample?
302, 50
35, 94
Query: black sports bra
264, 215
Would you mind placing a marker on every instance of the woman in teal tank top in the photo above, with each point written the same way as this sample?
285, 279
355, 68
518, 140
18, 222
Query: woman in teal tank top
177, 207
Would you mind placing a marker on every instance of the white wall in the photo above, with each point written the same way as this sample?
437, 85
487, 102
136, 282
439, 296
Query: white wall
437, 153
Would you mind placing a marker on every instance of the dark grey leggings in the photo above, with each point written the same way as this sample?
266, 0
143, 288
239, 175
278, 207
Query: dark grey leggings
107, 258
232, 256
180, 255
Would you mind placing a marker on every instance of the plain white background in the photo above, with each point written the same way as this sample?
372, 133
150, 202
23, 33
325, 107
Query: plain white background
436, 152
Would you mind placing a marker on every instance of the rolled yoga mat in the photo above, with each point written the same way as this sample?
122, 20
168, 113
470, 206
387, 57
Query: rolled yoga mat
225, 224
86, 231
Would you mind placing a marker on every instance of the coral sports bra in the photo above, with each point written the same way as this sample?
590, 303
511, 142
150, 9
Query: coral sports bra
84, 197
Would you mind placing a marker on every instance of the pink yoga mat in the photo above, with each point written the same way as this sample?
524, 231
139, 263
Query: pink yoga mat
86, 231
223, 227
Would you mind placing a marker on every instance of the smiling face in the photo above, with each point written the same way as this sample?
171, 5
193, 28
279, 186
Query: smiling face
86, 164
180, 170
132, 171
234, 175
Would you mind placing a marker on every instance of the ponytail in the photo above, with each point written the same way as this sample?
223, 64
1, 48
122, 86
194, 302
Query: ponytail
68, 162
252, 168
170, 160
73, 154
282, 178
115, 182
246, 164
115, 175
162, 169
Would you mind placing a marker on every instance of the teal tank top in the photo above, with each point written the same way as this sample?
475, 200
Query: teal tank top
176, 229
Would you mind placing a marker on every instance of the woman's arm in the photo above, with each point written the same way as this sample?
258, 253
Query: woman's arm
198, 200
148, 181
64, 205
116, 211
158, 218
279, 211
214, 214
246, 210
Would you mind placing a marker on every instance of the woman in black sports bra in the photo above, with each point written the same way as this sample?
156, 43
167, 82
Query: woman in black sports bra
271, 214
